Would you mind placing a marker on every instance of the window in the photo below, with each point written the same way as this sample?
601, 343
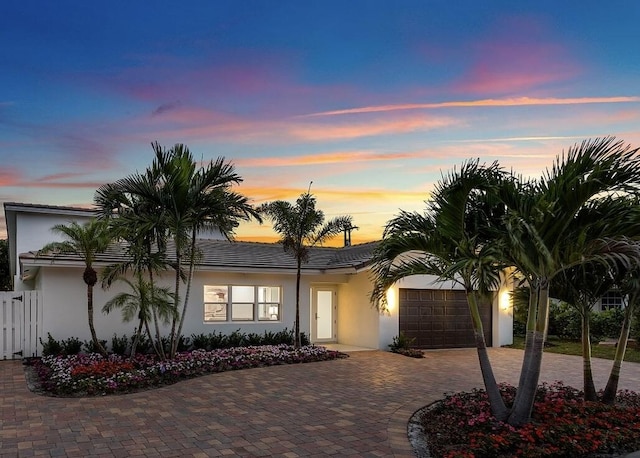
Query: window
268, 303
216, 300
241, 303
242, 300
611, 300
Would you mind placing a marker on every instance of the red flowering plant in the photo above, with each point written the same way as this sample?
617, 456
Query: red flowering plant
93, 374
562, 425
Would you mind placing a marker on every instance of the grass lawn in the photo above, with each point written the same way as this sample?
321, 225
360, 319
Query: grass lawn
571, 347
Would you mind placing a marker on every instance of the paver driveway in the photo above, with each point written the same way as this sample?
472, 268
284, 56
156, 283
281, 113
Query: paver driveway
357, 406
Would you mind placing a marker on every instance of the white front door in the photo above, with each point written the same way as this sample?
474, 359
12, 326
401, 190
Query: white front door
323, 314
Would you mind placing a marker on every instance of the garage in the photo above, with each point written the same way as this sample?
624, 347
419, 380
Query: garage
439, 318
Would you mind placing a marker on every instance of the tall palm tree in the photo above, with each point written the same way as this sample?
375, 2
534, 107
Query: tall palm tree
301, 226
545, 236
179, 199
85, 241
450, 241
139, 224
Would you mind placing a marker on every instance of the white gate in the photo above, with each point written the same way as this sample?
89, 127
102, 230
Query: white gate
21, 320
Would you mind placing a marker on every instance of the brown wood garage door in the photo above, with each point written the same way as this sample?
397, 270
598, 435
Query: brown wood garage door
439, 318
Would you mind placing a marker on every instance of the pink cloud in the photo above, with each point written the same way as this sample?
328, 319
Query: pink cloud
483, 103
201, 123
336, 157
519, 57
10, 176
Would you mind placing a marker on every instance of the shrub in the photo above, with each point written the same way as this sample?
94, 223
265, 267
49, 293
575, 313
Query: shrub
607, 323
217, 340
89, 346
304, 339
119, 345
144, 344
71, 346
236, 339
201, 341
253, 339
51, 347
401, 342
564, 321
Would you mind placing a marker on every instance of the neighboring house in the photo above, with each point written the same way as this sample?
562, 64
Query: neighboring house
249, 286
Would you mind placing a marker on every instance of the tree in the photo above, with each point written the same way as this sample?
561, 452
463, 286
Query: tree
301, 226
85, 241
180, 199
630, 285
140, 303
583, 285
545, 236
450, 241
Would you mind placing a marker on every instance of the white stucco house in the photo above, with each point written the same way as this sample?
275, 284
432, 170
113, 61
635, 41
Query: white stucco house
237, 285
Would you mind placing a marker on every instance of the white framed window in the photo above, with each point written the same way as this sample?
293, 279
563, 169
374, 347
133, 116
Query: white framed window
216, 303
242, 303
611, 300
268, 303
224, 303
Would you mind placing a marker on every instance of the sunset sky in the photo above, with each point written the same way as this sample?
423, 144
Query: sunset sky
371, 100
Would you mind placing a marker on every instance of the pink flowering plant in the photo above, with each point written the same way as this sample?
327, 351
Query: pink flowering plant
92, 374
563, 425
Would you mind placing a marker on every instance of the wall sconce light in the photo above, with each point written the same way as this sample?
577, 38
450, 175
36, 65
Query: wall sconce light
391, 299
505, 301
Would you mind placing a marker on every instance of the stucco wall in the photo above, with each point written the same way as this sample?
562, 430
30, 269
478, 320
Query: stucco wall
357, 319
65, 311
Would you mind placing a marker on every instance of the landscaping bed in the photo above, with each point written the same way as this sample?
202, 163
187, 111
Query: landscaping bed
92, 374
563, 425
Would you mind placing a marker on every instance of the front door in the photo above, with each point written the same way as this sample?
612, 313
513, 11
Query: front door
323, 314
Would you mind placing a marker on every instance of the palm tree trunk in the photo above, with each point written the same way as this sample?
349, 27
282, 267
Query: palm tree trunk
589, 386
192, 263
136, 339
177, 298
297, 342
523, 404
154, 344
94, 337
610, 391
158, 338
498, 408
529, 338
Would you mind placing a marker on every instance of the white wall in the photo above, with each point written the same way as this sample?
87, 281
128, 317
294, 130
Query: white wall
358, 320
33, 231
65, 303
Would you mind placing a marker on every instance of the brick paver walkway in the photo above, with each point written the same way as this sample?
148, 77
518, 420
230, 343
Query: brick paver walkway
358, 406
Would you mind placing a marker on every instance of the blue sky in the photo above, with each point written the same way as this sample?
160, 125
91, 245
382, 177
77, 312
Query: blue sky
370, 100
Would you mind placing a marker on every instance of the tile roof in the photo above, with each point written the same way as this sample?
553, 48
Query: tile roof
246, 256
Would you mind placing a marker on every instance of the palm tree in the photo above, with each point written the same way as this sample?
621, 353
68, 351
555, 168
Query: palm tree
178, 199
139, 224
450, 241
194, 199
85, 241
140, 303
581, 287
546, 236
301, 227
630, 285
